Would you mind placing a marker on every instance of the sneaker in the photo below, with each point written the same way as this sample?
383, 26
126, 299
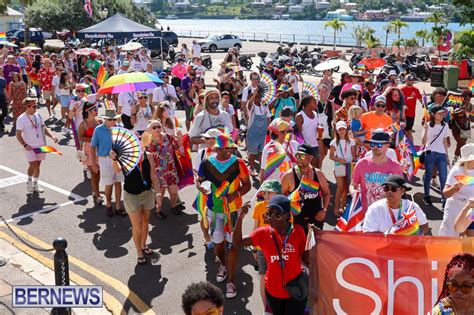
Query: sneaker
427, 201
435, 182
88, 174
65, 131
29, 186
38, 189
455, 159
231, 291
221, 274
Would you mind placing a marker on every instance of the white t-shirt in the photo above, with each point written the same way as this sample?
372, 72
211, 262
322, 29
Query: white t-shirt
31, 127
287, 163
245, 94
343, 149
136, 65
203, 121
391, 154
378, 219
55, 83
160, 93
466, 191
196, 48
437, 145
144, 115
200, 71
120, 71
229, 110
125, 101
293, 80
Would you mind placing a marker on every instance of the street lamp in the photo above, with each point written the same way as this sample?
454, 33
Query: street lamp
103, 12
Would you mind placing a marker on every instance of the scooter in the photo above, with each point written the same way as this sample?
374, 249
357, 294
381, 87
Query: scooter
206, 61
246, 61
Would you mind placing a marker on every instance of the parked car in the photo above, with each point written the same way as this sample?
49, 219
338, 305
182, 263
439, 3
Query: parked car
36, 37
225, 41
171, 37
156, 45
10, 33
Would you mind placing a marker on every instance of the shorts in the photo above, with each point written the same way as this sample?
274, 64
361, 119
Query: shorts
315, 152
31, 156
254, 147
410, 121
46, 95
107, 175
188, 110
261, 263
64, 100
216, 227
326, 143
142, 201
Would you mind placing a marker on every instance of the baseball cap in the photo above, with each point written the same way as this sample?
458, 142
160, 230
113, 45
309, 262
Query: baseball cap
271, 185
341, 124
396, 180
380, 99
436, 108
304, 149
211, 133
126, 63
409, 77
280, 203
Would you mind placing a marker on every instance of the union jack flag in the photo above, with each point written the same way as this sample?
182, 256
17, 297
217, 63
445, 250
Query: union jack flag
408, 224
88, 7
353, 217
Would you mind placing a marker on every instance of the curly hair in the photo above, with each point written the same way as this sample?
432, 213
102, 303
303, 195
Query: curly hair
463, 261
201, 291
85, 109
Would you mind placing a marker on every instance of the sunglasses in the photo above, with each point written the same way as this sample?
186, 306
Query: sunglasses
156, 127
351, 98
380, 105
378, 145
93, 109
465, 288
141, 97
389, 188
274, 214
300, 156
255, 79
32, 106
111, 119
211, 311
80, 91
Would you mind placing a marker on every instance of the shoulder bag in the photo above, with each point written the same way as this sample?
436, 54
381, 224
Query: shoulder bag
298, 288
423, 154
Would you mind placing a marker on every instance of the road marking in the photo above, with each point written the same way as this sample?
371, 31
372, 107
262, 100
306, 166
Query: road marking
141, 306
110, 302
21, 178
10, 181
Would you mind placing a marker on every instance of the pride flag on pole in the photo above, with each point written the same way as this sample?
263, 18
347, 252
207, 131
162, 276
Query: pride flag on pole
3, 36
102, 75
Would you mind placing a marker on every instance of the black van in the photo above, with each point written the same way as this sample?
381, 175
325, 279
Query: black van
170, 37
155, 44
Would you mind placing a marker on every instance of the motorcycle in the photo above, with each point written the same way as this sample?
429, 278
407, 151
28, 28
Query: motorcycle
246, 61
356, 59
421, 70
206, 61
170, 59
393, 65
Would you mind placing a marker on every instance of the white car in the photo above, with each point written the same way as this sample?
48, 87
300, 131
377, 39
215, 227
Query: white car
224, 41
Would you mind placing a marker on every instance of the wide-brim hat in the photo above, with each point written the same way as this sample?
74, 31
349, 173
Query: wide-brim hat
224, 141
278, 125
111, 114
467, 153
379, 136
271, 185
212, 133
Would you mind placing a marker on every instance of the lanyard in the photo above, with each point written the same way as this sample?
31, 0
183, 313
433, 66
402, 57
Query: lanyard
399, 215
282, 262
141, 171
35, 125
345, 149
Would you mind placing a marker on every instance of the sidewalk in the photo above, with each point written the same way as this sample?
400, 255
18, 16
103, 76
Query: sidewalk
21, 269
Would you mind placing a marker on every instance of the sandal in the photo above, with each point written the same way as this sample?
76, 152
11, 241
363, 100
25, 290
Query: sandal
98, 200
160, 215
141, 260
147, 250
121, 212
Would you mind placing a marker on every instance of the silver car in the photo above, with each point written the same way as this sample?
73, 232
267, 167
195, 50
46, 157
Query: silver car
224, 42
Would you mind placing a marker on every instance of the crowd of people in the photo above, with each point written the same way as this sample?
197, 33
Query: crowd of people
240, 139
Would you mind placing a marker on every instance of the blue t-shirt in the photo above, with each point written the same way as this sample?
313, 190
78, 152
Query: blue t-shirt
102, 140
281, 103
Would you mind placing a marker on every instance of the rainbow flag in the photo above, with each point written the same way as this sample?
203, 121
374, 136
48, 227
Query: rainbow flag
287, 68
471, 85
3, 36
109, 104
184, 165
102, 75
274, 160
360, 66
408, 225
295, 202
46, 149
309, 185
223, 189
465, 179
200, 206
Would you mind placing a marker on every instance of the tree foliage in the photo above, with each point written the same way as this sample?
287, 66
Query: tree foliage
57, 15
466, 9
337, 26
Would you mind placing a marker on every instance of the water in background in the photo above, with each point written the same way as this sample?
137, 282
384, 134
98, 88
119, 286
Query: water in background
289, 30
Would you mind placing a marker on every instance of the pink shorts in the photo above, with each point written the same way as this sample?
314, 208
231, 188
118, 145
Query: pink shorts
31, 156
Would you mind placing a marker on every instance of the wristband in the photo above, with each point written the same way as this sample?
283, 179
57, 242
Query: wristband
24, 144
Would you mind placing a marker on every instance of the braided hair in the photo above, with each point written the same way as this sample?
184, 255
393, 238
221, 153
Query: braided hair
463, 261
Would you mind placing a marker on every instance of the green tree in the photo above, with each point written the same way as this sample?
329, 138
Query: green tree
464, 42
337, 26
437, 18
437, 35
396, 26
423, 35
466, 9
156, 5
371, 42
359, 33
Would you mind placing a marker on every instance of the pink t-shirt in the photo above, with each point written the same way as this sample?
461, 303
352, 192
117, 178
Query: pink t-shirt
371, 176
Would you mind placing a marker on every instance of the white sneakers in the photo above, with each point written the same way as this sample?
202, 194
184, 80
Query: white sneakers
231, 290
221, 274
29, 186
33, 188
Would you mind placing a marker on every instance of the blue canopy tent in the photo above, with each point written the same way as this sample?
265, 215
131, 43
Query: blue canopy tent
118, 28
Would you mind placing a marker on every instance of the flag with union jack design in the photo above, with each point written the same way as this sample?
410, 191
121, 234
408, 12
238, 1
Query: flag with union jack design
88, 7
353, 217
407, 224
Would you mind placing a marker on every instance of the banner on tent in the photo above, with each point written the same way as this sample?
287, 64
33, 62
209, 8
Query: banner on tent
354, 273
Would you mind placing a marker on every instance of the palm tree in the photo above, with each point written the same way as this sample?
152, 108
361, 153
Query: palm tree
337, 25
437, 18
396, 26
423, 35
359, 34
371, 42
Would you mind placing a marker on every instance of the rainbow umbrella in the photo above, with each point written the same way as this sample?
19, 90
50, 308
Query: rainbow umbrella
87, 51
130, 82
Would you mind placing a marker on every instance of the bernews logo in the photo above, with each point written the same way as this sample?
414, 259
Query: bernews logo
57, 296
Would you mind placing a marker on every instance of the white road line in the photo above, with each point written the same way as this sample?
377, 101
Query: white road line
20, 177
13, 180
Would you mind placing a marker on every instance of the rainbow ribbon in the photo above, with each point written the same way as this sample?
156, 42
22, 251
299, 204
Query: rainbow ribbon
3, 36
273, 162
46, 149
102, 75
222, 190
471, 85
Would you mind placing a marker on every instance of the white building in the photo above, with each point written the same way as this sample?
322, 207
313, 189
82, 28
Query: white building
307, 3
10, 20
216, 1
142, 3
295, 9
281, 8
182, 4
321, 5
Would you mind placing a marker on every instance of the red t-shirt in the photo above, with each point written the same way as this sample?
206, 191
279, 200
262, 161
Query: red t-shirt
411, 94
46, 78
294, 249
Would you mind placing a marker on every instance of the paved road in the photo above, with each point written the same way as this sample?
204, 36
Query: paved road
101, 248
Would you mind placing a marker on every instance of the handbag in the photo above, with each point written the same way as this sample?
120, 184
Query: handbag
422, 156
298, 288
